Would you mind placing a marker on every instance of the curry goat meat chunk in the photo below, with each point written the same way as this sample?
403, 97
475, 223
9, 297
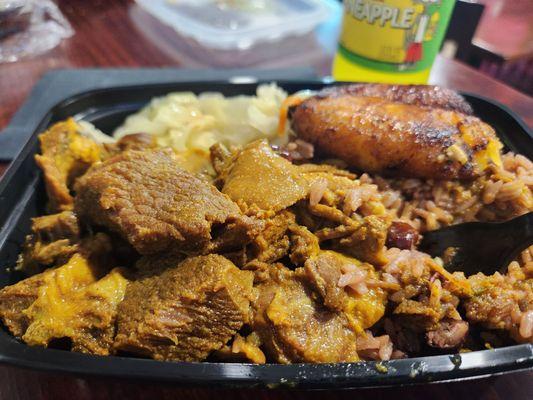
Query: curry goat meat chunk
66, 155
85, 316
53, 239
413, 132
157, 206
295, 327
187, 311
17, 298
75, 301
258, 176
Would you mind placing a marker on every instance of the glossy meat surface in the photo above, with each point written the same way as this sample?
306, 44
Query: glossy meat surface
66, 154
273, 242
258, 176
77, 273
294, 327
86, 316
150, 201
187, 311
53, 239
380, 135
362, 309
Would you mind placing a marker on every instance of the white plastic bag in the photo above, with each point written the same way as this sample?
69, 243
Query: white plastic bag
29, 28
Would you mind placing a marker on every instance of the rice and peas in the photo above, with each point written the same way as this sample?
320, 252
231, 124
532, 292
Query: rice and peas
191, 124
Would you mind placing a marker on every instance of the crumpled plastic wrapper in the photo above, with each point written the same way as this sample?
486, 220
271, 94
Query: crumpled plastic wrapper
29, 28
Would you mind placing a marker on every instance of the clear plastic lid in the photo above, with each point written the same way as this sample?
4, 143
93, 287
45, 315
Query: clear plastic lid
239, 24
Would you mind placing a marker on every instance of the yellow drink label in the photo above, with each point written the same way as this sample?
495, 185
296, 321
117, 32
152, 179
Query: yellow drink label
394, 35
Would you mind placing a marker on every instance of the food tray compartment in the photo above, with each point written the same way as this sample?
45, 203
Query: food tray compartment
22, 196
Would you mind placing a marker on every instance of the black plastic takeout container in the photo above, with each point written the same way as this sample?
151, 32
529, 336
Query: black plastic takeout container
22, 197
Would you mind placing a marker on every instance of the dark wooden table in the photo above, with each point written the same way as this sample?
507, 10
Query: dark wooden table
515, 18
114, 33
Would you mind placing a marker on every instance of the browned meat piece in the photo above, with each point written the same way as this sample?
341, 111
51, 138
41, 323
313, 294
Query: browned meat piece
419, 95
425, 304
85, 316
242, 350
66, 154
155, 264
257, 176
402, 236
368, 241
449, 334
53, 239
403, 335
304, 244
503, 302
419, 314
346, 284
189, 161
186, 312
270, 245
379, 135
408, 332
15, 299
273, 242
220, 157
324, 273
146, 198
294, 327
135, 141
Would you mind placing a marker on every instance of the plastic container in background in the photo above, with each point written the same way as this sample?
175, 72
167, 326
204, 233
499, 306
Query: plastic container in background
391, 41
241, 33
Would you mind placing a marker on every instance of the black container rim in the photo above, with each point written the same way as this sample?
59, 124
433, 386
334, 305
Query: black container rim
366, 374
